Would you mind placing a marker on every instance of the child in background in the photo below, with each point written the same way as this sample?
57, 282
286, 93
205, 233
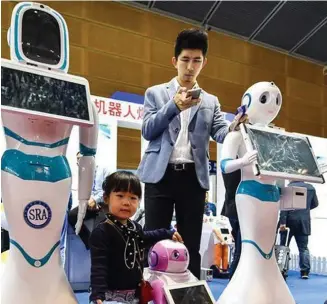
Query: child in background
222, 236
117, 245
220, 251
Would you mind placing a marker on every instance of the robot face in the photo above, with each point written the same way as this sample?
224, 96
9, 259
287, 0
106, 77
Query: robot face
263, 101
39, 35
169, 256
45, 47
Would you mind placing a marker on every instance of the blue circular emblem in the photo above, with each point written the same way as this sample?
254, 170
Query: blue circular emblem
37, 214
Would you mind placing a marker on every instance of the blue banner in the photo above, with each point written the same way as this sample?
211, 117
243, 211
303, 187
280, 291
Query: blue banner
212, 167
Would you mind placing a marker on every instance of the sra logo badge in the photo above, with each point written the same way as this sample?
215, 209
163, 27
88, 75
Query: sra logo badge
37, 214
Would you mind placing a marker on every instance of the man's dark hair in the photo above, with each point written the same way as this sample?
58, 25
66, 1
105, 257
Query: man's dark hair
191, 39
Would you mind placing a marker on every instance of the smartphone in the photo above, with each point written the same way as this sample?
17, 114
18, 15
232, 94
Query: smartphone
195, 93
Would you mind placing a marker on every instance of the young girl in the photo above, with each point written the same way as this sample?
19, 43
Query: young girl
117, 245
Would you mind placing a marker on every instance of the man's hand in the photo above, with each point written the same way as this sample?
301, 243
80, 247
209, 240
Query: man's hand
99, 302
238, 119
282, 228
177, 237
92, 205
182, 101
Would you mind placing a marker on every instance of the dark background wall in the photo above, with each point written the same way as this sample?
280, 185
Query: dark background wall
121, 48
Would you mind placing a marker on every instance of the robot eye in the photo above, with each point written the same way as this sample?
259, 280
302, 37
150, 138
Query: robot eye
175, 255
263, 98
186, 253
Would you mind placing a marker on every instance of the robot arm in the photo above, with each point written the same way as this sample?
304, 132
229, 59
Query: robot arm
157, 292
88, 144
231, 145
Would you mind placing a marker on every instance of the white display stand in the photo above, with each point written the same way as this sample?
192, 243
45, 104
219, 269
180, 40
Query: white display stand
207, 245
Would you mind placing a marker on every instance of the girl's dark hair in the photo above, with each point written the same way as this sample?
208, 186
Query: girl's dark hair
122, 181
191, 39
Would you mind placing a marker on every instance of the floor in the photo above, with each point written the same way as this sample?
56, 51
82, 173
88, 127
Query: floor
312, 291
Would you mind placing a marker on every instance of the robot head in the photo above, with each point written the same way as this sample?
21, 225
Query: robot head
38, 35
168, 256
263, 101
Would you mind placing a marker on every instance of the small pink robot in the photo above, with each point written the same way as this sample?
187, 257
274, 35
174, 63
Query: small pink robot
168, 262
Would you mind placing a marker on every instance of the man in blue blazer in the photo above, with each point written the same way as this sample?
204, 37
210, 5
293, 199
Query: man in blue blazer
299, 223
175, 166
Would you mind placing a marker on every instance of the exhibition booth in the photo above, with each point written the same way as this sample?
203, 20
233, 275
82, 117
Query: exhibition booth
115, 113
56, 135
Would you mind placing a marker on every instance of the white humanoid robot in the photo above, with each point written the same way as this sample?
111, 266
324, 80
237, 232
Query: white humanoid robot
257, 279
40, 105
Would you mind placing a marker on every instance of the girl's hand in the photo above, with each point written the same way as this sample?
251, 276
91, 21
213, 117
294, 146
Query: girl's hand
98, 302
177, 237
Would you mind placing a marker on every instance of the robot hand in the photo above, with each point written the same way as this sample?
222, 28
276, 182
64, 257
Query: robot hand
249, 157
81, 214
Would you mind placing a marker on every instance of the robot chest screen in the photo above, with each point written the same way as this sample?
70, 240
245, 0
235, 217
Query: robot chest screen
37, 93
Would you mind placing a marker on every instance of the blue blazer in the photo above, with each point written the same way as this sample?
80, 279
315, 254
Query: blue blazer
299, 220
161, 126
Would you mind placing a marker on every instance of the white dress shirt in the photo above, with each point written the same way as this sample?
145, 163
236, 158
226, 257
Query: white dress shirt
182, 152
101, 172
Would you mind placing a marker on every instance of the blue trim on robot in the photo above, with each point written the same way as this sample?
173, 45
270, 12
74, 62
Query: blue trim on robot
34, 167
250, 99
263, 192
223, 163
19, 57
266, 256
65, 39
35, 262
14, 135
86, 151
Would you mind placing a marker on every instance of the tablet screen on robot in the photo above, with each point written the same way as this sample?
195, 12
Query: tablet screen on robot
189, 293
283, 155
47, 94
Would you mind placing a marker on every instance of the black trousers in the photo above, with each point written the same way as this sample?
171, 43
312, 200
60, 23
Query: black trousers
302, 244
236, 233
179, 189
5, 241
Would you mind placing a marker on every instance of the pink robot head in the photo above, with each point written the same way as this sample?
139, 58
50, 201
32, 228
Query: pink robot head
168, 256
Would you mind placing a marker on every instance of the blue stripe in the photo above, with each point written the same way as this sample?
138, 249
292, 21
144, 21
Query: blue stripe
19, 57
86, 151
14, 135
263, 192
223, 164
34, 167
250, 99
266, 256
35, 262
129, 97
